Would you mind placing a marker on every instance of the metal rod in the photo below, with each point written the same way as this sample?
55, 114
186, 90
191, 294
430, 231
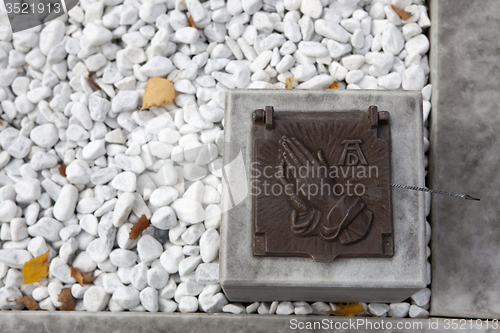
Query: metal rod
425, 189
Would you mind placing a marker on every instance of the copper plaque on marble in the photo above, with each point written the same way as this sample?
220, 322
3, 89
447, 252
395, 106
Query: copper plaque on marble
321, 184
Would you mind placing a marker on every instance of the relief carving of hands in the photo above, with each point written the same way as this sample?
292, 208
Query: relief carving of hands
322, 213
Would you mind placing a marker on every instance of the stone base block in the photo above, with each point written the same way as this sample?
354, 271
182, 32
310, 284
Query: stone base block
245, 277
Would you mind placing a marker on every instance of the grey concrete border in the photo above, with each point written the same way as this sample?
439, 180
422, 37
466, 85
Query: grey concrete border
86, 322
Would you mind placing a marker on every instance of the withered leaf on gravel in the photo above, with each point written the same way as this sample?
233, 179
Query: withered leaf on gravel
347, 309
289, 82
81, 277
29, 302
36, 269
139, 227
158, 92
401, 12
334, 85
67, 299
62, 169
191, 22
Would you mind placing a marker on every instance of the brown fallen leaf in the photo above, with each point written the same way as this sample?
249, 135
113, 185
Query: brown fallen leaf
191, 22
36, 269
62, 169
158, 92
289, 82
347, 309
81, 277
402, 13
334, 85
67, 299
139, 227
29, 302
92, 81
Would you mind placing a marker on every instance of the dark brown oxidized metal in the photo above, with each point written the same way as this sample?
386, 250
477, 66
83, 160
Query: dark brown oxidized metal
321, 184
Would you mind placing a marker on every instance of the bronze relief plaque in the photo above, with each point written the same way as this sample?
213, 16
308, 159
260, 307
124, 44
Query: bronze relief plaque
321, 184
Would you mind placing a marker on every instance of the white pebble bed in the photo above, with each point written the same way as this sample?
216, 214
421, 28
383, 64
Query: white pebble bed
164, 162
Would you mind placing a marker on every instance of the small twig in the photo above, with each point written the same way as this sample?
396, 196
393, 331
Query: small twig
425, 189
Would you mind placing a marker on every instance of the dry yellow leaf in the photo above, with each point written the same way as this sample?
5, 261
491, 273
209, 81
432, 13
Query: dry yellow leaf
29, 302
36, 269
158, 92
191, 22
402, 13
347, 309
334, 85
289, 82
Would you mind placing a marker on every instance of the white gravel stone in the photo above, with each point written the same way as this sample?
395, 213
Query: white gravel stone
418, 44
378, 309
353, 62
139, 276
157, 66
318, 82
171, 258
331, 30
126, 297
164, 218
47, 228
187, 35
60, 270
96, 35
302, 308
44, 135
7, 297
123, 258
8, 210
18, 229
418, 312
422, 297
111, 282
66, 203
78, 172
14, 258
149, 248
188, 210
312, 8
93, 150
95, 299
125, 101
236, 308
188, 304
149, 299
392, 39
98, 250
188, 265
285, 308
42, 160
157, 277
398, 310
390, 81
123, 208
413, 78
125, 181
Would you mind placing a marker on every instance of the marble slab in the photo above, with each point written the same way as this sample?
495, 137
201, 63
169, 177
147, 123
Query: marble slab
245, 277
465, 158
